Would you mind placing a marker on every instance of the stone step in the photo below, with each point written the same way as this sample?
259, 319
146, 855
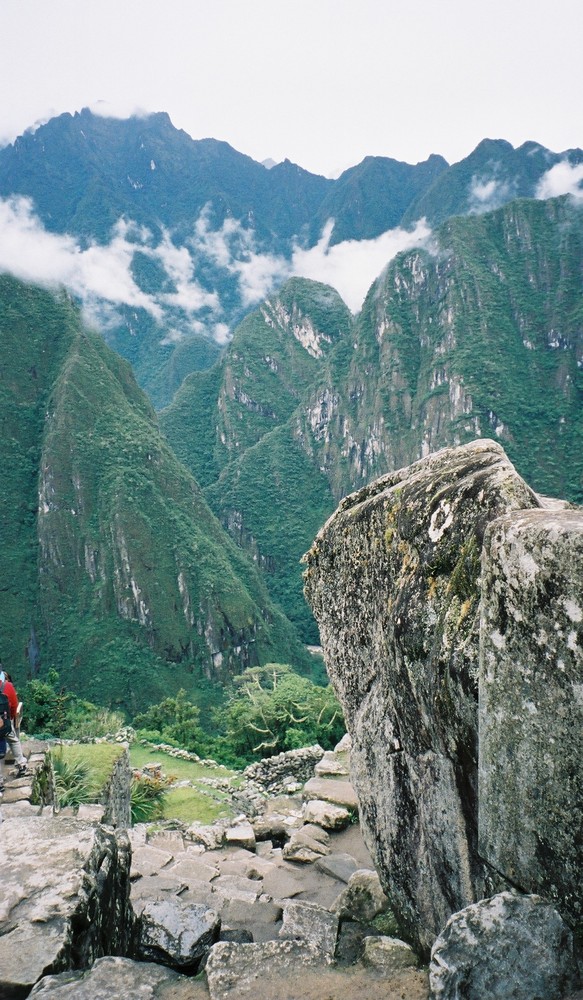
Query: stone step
341, 793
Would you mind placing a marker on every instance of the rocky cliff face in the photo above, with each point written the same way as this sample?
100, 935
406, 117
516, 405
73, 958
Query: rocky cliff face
394, 580
477, 335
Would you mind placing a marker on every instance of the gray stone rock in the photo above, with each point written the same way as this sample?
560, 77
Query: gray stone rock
191, 868
241, 835
117, 979
341, 793
282, 884
326, 814
509, 947
156, 887
238, 887
362, 899
338, 866
64, 898
233, 971
149, 861
211, 837
388, 954
257, 868
167, 840
176, 933
332, 765
531, 704
312, 924
261, 918
90, 813
393, 580
304, 847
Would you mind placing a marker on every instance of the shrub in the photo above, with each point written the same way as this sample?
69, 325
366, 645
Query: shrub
174, 721
73, 784
147, 799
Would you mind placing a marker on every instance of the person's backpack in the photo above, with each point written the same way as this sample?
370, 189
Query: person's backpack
5, 723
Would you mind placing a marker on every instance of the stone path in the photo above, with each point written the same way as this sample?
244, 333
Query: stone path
295, 891
21, 794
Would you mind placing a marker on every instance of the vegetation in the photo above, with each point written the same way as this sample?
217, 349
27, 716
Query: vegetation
147, 799
175, 721
81, 771
124, 577
272, 709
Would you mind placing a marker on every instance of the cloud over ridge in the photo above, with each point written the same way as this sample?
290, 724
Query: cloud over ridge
102, 276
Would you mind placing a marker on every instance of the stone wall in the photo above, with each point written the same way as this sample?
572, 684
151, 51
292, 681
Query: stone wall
285, 771
116, 794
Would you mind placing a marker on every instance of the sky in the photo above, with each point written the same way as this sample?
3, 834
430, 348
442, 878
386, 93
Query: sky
321, 82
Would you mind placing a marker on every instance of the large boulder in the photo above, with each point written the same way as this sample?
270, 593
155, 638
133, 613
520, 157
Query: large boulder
235, 971
310, 923
64, 899
393, 580
362, 899
509, 947
531, 705
118, 979
175, 933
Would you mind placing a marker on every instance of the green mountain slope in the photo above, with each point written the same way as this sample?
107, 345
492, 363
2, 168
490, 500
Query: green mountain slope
232, 427
109, 550
493, 174
481, 337
373, 196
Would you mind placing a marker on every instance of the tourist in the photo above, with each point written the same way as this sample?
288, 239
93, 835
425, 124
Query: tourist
12, 737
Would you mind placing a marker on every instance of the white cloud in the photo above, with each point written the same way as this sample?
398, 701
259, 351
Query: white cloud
258, 273
233, 248
29, 252
189, 296
118, 109
352, 266
221, 333
563, 178
101, 275
487, 194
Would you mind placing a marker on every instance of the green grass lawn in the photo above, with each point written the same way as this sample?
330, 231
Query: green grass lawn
191, 805
200, 803
181, 769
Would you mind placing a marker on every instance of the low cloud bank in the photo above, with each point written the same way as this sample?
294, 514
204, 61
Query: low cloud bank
32, 254
352, 266
563, 178
102, 276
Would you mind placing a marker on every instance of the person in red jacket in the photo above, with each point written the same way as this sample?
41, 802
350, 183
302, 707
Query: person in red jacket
12, 737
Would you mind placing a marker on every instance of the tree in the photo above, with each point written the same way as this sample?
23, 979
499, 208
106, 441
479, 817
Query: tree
175, 720
273, 709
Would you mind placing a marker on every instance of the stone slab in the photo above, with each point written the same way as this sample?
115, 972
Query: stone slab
341, 793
